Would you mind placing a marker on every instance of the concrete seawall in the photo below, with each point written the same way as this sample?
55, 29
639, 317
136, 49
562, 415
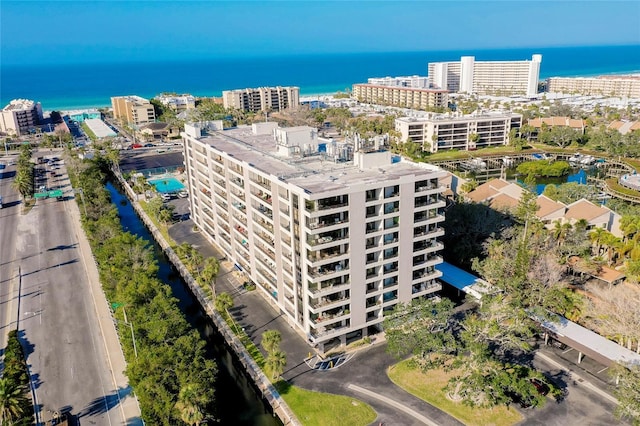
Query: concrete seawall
269, 393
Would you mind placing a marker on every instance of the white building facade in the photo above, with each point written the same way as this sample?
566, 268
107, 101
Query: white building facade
438, 132
262, 98
20, 117
487, 77
332, 243
178, 103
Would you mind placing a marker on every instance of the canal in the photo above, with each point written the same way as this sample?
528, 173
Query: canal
236, 398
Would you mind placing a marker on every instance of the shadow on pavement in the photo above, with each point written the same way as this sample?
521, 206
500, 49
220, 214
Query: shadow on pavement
102, 404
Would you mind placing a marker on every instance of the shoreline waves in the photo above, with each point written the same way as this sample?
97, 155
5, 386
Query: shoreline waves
91, 85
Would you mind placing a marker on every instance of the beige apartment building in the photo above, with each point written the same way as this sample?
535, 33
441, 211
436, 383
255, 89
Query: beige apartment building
133, 110
400, 96
469, 132
262, 98
486, 77
333, 239
606, 85
20, 117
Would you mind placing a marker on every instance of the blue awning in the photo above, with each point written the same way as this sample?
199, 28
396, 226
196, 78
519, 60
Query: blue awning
462, 280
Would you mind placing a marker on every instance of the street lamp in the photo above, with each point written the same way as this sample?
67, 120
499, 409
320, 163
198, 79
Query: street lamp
126, 322
81, 192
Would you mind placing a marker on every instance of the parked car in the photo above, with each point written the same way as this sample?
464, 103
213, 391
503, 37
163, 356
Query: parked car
136, 145
540, 386
183, 194
149, 145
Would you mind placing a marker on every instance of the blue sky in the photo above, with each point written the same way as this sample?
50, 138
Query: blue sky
70, 31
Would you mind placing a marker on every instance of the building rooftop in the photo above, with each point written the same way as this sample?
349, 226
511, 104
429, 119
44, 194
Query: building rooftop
315, 173
558, 121
584, 209
19, 105
430, 117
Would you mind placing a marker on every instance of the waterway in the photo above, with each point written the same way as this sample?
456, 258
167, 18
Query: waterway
236, 399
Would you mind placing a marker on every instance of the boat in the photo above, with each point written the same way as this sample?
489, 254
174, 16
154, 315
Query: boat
587, 160
575, 159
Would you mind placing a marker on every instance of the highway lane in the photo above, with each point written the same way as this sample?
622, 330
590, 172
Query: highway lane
66, 352
8, 268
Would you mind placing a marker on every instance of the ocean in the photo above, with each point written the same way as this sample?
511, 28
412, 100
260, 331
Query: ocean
91, 84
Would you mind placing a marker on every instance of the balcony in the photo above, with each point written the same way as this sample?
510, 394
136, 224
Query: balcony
328, 287
424, 261
241, 230
316, 240
425, 288
328, 270
326, 302
262, 196
328, 331
238, 182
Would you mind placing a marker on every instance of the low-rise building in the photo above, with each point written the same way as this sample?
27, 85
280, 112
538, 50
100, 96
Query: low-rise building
158, 131
262, 99
436, 132
318, 232
503, 195
133, 110
21, 117
400, 96
627, 86
177, 103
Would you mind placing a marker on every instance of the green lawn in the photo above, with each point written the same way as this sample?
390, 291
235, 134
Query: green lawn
428, 387
323, 409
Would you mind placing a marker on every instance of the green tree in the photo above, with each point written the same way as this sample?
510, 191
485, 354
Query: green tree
627, 392
271, 341
223, 302
190, 404
12, 400
209, 272
275, 363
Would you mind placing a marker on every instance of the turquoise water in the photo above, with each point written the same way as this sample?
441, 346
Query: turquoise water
60, 87
166, 185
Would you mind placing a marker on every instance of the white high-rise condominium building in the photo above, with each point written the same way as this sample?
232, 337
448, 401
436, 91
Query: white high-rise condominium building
262, 98
487, 77
333, 239
443, 131
20, 117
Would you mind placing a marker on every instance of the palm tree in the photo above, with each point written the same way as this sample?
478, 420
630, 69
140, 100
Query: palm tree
271, 341
210, 271
561, 231
12, 401
223, 303
23, 183
189, 405
597, 237
276, 362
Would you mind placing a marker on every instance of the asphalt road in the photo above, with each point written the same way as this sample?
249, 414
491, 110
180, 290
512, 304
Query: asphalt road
8, 268
58, 323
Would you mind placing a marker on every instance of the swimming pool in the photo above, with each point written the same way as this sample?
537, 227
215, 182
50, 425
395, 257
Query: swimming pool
167, 184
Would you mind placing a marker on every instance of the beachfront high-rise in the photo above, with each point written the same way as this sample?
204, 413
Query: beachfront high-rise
332, 238
20, 117
133, 110
486, 77
437, 132
262, 98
